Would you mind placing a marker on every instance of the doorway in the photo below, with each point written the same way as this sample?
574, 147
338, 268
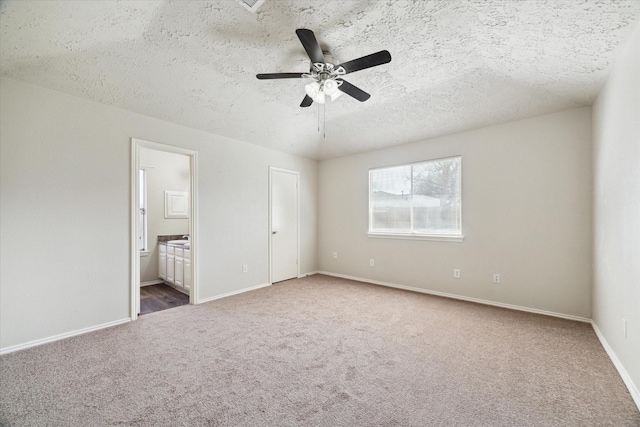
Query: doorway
284, 224
137, 216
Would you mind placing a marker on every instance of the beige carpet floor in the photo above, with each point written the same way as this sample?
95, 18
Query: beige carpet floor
321, 351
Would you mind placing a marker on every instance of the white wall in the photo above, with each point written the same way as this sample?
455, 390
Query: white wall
64, 216
168, 172
526, 191
616, 163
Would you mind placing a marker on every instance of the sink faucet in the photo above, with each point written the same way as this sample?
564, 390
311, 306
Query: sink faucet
186, 236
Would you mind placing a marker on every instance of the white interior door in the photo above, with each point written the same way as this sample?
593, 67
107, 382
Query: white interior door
284, 225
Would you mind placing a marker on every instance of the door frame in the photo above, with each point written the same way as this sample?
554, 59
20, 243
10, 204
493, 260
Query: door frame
136, 145
297, 175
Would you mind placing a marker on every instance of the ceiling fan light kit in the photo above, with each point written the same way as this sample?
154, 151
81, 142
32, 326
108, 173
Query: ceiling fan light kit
327, 78
324, 85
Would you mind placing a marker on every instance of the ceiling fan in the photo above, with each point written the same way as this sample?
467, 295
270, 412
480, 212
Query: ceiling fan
327, 78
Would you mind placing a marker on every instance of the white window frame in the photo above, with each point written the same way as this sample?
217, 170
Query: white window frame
142, 237
457, 237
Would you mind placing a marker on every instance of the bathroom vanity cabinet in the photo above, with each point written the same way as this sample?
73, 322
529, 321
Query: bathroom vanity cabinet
171, 265
162, 262
187, 270
174, 266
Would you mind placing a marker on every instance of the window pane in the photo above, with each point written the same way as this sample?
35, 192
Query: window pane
420, 198
142, 226
142, 189
390, 199
436, 197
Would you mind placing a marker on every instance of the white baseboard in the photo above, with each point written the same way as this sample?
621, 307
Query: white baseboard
311, 273
61, 336
228, 294
633, 390
460, 297
152, 282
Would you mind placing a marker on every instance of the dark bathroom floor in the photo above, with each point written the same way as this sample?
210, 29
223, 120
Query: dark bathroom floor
160, 297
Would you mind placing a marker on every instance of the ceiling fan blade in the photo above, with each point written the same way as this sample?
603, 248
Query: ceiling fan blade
310, 44
353, 91
279, 76
307, 101
368, 61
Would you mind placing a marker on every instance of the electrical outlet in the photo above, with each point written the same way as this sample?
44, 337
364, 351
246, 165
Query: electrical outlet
496, 278
245, 268
335, 255
456, 273
371, 263
624, 327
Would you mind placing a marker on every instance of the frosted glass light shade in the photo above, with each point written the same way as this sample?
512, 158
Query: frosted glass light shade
330, 87
314, 92
312, 89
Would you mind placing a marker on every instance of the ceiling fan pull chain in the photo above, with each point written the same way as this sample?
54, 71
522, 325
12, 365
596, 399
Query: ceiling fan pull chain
324, 121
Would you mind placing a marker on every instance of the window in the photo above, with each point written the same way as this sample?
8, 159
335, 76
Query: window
420, 200
142, 226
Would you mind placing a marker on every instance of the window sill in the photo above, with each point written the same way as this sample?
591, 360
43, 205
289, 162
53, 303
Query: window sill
144, 253
434, 237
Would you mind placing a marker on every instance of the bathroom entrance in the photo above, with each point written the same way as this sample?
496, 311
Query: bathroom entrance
163, 234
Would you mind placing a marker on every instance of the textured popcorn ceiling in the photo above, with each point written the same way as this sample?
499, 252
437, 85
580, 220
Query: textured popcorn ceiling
456, 65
